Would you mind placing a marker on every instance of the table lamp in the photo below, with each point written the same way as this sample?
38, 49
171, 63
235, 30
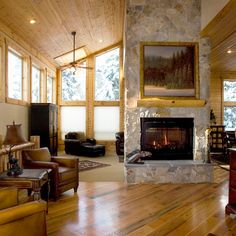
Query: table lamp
13, 137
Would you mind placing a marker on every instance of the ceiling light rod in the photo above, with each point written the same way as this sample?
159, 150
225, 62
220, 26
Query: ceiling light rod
66, 53
73, 34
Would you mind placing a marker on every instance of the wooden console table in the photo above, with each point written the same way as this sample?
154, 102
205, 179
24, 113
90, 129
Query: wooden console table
31, 179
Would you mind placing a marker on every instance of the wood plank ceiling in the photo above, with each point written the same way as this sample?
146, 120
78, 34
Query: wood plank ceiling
98, 23
222, 33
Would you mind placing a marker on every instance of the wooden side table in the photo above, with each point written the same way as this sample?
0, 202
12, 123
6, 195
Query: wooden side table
31, 179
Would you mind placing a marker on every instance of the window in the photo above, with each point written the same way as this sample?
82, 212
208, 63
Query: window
107, 76
15, 75
35, 83
49, 89
74, 84
229, 95
106, 122
90, 99
73, 119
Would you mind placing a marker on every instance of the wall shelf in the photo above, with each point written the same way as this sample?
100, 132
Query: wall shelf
156, 102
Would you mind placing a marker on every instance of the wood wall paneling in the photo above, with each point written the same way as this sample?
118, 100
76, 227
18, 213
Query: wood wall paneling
222, 34
216, 96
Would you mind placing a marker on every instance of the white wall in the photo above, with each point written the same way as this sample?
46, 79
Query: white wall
209, 9
10, 112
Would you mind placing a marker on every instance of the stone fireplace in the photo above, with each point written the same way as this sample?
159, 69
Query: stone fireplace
158, 21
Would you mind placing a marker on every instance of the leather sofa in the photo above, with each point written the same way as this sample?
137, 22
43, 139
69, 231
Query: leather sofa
231, 206
77, 144
24, 219
65, 170
119, 143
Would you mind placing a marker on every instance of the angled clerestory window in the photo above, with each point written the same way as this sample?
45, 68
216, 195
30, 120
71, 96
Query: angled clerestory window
107, 76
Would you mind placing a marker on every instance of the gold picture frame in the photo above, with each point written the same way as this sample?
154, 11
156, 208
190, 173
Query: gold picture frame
169, 70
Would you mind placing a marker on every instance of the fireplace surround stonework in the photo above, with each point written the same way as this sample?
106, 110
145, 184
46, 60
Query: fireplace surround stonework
157, 21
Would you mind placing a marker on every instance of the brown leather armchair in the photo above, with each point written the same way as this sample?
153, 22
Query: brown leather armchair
119, 143
21, 219
65, 170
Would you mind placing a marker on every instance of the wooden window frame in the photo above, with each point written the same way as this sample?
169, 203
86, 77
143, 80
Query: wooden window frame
24, 100
51, 78
226, 103
102, 102
90, 103
40, 81
52, 74
120, 102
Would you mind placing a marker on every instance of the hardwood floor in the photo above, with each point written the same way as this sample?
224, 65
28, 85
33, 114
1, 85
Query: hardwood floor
115, 209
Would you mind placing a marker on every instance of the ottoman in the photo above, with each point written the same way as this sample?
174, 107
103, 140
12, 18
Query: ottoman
95, 150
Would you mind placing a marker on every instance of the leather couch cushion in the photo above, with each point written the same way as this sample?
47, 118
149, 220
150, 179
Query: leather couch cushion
8, 197
41, 154
66, 173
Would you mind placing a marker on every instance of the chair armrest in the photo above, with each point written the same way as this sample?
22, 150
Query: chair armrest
20, 211
73, 141
71, 162
41, 164
91, 141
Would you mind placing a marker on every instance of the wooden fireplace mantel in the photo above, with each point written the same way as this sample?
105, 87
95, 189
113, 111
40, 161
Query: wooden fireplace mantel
157, 102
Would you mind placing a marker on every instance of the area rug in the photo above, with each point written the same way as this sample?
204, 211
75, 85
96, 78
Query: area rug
89, 165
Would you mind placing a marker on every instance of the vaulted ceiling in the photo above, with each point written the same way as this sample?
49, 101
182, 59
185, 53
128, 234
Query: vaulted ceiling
98, 23
222, 33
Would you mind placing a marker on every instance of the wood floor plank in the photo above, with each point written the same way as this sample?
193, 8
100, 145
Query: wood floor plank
117, 209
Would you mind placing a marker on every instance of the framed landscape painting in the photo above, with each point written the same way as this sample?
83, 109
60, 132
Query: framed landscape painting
169, 69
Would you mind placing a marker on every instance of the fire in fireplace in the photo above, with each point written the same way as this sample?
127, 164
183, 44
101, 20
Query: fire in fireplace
167, 138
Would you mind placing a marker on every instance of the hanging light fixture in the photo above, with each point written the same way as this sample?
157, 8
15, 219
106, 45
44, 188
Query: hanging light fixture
73, 63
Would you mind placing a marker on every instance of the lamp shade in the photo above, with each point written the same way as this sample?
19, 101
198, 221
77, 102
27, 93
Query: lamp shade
14, 135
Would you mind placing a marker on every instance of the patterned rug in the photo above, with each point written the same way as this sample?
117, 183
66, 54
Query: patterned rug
88, 165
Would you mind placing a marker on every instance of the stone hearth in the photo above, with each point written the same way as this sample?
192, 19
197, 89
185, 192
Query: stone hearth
169, 172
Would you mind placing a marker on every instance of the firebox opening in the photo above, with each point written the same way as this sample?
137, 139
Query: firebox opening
167, 138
